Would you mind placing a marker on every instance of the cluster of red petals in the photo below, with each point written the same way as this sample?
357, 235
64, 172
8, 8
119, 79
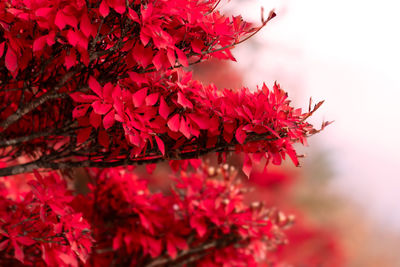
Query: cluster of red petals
39, 226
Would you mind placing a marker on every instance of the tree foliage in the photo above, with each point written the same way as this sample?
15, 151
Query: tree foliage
100, 84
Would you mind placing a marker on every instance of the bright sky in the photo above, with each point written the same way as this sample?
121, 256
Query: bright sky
348, 53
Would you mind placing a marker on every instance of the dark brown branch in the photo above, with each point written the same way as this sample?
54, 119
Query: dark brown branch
44, 163
58, 160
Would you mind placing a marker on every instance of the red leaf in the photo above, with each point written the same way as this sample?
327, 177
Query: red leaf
108, 90
174, 123
119, 6
175, 165
80, 111
57, 209
135, 138
133, 15
144, 38
142, 55
139, 96
109, 119
157, 60
58, 228
83, 135
70, 60
276, 158
25, 240
76, 38
18, 252
4, 244
82, 49
198, 223
202, 122
152, 99
196, 163
86, 26
11, 60
228, 131
71, 21
197, 45
247, 166
171, 57
138, 78
171, 249
146, 11
103, 139
164, 109
39, 43
95, 119
51, 38
104, 9
182, 57
292, 154
60, 20
180, 242
73, 37
184, 128
95, 86
82, 98
69, 260
155, 246
240, 135
145, 222
101, 108
184, 101
43, 12
160, 144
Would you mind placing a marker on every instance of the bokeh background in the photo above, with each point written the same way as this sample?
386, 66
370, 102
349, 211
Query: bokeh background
346, 52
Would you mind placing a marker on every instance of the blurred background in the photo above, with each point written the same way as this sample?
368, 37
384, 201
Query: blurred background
345, 52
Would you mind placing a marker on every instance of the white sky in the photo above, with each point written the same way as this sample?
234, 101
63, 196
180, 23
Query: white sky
348, 53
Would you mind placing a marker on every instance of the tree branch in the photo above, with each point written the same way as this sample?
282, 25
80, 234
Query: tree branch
53, 163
